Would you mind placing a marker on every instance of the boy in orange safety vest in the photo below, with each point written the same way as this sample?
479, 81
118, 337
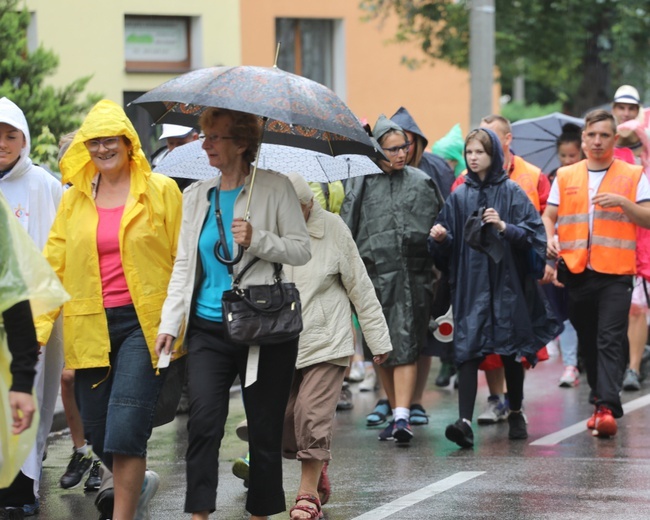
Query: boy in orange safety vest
597, 204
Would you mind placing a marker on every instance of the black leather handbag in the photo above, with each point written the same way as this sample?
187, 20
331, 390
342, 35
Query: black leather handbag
262, 314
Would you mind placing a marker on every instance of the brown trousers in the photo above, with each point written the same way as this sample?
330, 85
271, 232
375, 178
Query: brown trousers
311, 408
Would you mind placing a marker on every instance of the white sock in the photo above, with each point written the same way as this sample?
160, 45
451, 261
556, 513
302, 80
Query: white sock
467, 422
401, 413
85, 449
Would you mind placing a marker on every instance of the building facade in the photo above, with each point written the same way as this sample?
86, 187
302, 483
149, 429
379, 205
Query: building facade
132, 46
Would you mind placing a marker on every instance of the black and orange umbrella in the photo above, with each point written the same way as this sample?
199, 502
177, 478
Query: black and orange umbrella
295, 111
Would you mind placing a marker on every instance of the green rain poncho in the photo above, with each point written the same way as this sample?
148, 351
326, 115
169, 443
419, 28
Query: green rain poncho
24, 275
452, 148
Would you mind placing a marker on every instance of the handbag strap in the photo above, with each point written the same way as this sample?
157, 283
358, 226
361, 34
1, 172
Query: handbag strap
240, 275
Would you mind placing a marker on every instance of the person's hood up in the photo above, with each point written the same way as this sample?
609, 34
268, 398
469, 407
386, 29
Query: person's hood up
12, 115
105, 119
452, 148
405, 120
383, 126
496, 173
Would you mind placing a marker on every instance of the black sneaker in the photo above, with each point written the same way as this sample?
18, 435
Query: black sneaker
402, 433
517, 423
460, 433
78, 466
387, 433
11, 513
94, 479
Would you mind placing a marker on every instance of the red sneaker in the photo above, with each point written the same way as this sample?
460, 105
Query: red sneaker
591, 423
605, 423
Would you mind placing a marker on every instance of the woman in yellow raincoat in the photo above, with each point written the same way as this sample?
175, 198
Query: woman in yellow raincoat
25, 277
113, 245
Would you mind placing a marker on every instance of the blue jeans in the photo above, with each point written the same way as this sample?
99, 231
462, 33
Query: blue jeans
569, 345
118, 412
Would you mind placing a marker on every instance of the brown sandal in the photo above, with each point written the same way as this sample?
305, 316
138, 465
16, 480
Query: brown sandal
314, 512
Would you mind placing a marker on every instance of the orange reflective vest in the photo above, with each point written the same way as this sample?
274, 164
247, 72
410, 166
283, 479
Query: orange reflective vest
611, 247
527, 176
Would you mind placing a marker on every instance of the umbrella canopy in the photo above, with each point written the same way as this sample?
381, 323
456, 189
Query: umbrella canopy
191, 162
299, 112
535, 139
188, 161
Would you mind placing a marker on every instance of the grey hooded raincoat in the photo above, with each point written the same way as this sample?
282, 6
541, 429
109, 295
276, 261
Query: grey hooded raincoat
390, 216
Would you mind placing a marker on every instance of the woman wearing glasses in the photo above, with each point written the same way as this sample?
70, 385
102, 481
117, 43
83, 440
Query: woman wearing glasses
213, 235
113, 245
390, 216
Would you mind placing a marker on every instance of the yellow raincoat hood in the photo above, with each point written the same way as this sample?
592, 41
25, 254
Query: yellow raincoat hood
105, 119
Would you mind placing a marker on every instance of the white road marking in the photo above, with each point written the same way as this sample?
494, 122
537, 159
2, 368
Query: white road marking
557, 437
418, 496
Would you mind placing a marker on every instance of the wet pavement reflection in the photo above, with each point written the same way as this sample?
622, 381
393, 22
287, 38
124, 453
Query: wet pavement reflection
581, 477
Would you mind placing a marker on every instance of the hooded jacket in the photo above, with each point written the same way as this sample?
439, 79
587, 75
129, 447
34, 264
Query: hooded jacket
33, 194
328, 283
497, 307
148, 238
390, 216
433, 165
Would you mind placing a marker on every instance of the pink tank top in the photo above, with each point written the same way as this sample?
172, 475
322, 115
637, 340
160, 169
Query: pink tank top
114, 289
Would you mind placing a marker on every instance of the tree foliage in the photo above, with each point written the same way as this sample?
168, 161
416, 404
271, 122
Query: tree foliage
579, 50
51, 112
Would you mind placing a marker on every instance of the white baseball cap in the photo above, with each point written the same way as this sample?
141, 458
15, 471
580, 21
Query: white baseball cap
175, 131
627, 94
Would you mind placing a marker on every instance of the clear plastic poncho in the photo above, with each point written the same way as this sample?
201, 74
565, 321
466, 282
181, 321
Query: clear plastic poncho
24, 275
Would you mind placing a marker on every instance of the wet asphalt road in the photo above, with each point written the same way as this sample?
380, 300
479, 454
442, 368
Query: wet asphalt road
579, 477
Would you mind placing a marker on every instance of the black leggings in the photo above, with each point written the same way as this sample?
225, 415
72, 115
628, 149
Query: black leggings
468, 383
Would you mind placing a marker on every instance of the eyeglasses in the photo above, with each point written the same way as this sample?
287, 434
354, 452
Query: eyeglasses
110, 143
397, 149
215, 138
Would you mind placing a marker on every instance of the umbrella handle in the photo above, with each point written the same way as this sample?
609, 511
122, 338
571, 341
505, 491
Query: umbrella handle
247, 214
226, 259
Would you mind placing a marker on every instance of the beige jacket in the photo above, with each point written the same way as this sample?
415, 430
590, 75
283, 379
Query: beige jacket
279, 235
334, 278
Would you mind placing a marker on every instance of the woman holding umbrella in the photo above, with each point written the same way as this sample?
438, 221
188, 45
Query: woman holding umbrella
275, 233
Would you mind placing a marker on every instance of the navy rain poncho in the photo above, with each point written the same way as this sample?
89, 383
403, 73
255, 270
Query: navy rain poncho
498, 308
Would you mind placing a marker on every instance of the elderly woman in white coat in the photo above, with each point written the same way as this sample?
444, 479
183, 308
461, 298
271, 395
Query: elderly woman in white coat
335, 278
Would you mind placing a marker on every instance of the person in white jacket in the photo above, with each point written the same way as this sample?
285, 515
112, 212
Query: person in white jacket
333, 279
33, 195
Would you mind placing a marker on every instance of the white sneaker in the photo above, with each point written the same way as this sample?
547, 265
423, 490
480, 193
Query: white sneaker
357, 372
570, 377
495, 411
149, 488
369, 383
